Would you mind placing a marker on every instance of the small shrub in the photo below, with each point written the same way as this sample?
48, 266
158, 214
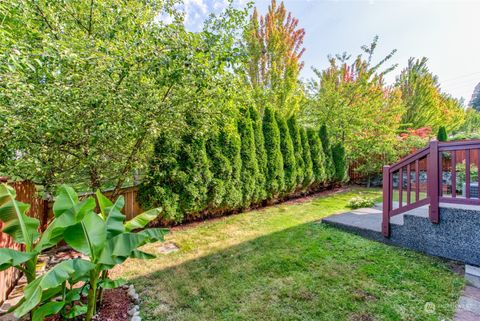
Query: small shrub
360, 202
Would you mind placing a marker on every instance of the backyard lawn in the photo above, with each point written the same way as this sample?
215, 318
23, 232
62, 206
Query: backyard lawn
280, 263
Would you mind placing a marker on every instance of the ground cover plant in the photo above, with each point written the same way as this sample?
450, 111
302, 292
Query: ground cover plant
280, 263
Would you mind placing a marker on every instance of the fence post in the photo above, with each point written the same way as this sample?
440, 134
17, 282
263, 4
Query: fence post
386, 201
433, 182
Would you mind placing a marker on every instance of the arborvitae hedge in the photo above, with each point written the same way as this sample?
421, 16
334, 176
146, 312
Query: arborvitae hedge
327, 151
193, 175
294, 130
261, 155
340, 162
162, 184
275, 175
232, 145
307, 159
316, 152
288, 155
221, 170
250, 172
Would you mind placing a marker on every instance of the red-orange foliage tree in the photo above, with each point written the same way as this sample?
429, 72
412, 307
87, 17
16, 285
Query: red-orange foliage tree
274, 43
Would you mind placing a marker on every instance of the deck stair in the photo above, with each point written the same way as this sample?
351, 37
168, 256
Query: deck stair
430, 203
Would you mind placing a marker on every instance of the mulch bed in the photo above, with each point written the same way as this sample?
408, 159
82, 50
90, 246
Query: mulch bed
114, 307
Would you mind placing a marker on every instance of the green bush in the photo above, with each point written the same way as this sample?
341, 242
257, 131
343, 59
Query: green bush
223, 151
288, 155
317, 155
307, 158
360, 202
232, 146
194, 173
221, 171
162, 184
250, 170
294, 130
340, 163
275, 175
261, 155
442, 134
327, 151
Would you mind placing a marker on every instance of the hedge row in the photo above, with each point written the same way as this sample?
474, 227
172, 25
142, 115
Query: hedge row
252, 159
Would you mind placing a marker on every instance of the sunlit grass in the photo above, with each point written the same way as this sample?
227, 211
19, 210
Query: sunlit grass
279, 263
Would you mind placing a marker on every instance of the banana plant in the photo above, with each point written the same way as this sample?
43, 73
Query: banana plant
104, 237
24, 229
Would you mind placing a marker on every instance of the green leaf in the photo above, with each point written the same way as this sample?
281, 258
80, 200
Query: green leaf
141, 220
112, 214
88, 236
9, 258
65, 200
46, 310
112, 284
32, 295
154, 234
22, 228
55, 230
137, 254
76, 310
52, 280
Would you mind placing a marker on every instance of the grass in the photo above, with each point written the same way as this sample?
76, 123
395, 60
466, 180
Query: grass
279, 263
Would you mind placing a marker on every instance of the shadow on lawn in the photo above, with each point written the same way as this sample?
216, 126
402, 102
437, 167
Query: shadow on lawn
307, 272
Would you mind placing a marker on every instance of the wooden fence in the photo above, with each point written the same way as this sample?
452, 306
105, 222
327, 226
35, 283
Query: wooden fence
42, 210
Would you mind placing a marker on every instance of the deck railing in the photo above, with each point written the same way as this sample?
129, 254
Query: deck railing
433, 174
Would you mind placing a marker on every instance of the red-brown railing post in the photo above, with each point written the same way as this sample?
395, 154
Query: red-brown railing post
432, 179
386, 201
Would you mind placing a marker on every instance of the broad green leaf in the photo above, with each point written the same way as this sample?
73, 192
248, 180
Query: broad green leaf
112, 213
55, 230
47, 309
64, 271
88, 236
154, 234
137, 254
51, 280
22, 228
9, 258
76, 310
112, 284
32, 295
141, 220
65, 200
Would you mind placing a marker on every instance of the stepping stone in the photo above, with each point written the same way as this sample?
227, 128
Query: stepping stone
168, 248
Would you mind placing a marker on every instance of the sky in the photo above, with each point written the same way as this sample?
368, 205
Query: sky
446, 32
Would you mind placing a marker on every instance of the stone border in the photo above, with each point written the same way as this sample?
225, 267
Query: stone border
134, 312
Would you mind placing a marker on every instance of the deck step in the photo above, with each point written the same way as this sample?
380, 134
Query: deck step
456, 237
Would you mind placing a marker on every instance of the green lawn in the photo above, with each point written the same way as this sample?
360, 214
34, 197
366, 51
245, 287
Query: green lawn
279, 263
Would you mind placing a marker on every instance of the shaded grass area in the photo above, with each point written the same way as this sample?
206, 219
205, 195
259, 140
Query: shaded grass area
279, 263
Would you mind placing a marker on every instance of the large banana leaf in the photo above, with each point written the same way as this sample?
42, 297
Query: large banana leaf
88, 236
9, 258
22, 228
47, 309
140, 221
65, 200
55, 230
126, 245
111, 213
52, 280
